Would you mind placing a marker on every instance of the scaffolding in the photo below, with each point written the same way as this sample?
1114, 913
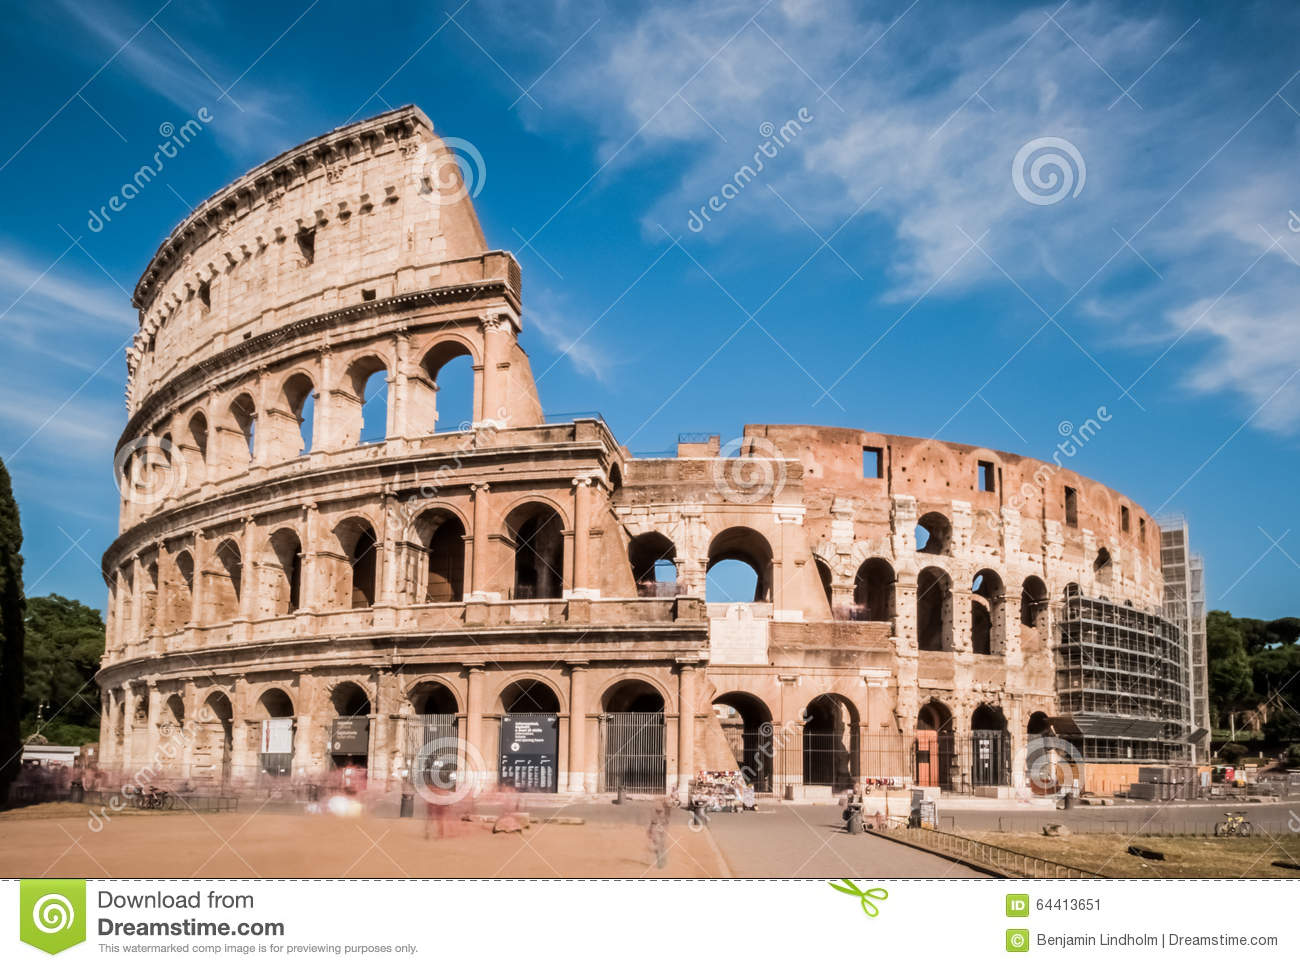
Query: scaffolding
1184, 604
1122, 682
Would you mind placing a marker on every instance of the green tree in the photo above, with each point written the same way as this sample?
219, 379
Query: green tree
65, 642
11, 634
1230, 680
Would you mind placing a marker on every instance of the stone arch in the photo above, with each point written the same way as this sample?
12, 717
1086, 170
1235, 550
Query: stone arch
350, 698
832, 742
356, 579
746, 723
873, 591
1033, 614
534, 529
275, 703
432, 409
749, 547
988, 630
361, 419
291, 422
1103, 569
195, 446
178, 591
990, 756
530, 693
934, 534
241, 416
634, 693
934, 618
282, 583
439, 562
934, 754
213, 743
225, 581
650, 554
433, 696
826, 579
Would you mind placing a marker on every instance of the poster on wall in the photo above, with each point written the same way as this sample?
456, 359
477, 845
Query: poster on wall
277, 735
350, 736
528, 751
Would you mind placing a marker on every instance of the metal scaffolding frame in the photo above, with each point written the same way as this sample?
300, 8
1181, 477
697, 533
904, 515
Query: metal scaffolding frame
1184, 604
1123, 682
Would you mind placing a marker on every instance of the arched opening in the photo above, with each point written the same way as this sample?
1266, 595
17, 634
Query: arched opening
356, 584
934, 610
747, 725
990, 748
213, 744
1033, 614
831, 743
284, 583
988, 635
350, 730
935, 754
198, 446
149, 600
243, 420
226, 581
275, 710
529, 737
739, 568
431, 748
873, 591
178, 592
361, 404
537, 533
300, 404
1103, 568
934, 534
449, 367
444, 553
632, 737
1043, 756
654, 565
1039, 723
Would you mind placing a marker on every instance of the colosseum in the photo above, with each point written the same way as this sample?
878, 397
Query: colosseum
315, 573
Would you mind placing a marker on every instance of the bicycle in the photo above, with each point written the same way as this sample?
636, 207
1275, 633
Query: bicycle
1235, 825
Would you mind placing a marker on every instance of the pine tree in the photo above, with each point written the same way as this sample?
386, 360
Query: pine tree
12, 628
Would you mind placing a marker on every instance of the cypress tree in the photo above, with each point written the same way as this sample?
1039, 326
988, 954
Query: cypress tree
12, 631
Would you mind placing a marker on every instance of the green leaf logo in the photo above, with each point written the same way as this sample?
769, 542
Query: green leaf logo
52, 914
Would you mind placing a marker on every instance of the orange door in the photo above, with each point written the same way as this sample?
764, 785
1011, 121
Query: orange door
927, 757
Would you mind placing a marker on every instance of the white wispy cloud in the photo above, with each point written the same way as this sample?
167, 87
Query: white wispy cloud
1188, 157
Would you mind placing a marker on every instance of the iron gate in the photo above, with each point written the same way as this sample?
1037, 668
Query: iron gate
632, 749
753, 750
830, 758
990, 757
431, 751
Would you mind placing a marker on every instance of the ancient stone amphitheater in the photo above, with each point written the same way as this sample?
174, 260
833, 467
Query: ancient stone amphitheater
315, 572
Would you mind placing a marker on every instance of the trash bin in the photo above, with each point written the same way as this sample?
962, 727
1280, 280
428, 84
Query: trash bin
77, 793
408, 805
1068, 801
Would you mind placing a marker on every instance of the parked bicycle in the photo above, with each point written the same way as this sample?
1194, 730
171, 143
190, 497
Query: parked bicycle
1235, 826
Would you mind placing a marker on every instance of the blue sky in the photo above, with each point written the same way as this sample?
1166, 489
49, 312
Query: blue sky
891, 267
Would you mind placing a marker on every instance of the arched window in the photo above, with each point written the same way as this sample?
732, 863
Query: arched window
445, 552
537, 533
935, 754
990, 748
198, 428
243, 419
300, 404
740, 567
355, 582
450, 371
988, 634
285, 585
1103, 568
934, 610
361, 404
873, 591
654, 567
934, 534
831, 743
746, 723
178, 592
827, 581
227, 581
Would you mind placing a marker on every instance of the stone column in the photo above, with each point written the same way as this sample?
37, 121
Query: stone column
479, 578
307, 593
198, 552
576, 782
685, 726
497, 331
151, 722
322, 416
240, 768
397, 402
190, 726
581, 537
137, 600
302, 735
473, 724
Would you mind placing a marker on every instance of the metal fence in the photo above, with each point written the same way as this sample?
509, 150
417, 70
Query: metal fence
431, 751
976, 852
632, 752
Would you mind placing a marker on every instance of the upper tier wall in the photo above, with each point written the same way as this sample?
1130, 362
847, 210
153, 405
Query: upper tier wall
368, 211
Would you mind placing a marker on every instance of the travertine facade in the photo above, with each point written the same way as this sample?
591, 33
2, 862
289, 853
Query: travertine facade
462, 574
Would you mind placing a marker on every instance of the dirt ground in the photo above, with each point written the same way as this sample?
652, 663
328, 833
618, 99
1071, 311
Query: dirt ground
55, 840
1184, 856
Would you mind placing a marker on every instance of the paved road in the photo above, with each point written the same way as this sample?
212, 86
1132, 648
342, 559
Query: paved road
782, 840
